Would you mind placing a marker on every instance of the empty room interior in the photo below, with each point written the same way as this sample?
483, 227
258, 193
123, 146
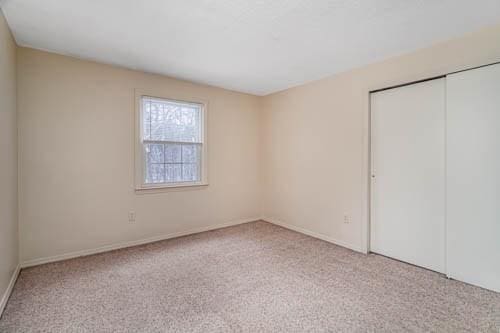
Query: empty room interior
250, 166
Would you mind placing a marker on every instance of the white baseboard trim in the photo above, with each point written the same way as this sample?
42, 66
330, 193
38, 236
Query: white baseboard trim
8, 291
116, 246
313, 234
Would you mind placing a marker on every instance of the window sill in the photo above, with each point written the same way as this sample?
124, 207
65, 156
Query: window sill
169, 187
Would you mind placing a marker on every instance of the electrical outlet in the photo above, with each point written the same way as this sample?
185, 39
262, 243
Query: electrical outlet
131, 216
347, 219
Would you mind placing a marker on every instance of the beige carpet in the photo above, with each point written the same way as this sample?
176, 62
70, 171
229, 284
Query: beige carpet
254, 277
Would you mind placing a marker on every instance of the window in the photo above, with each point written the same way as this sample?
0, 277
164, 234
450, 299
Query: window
171, 143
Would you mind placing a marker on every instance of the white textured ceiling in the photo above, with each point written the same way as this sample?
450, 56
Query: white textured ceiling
254, 46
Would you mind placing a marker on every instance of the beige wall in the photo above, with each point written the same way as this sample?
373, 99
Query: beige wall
8, 158
76, 158
315, 144
298, 157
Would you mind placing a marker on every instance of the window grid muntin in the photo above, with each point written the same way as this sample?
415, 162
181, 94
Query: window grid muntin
182, 163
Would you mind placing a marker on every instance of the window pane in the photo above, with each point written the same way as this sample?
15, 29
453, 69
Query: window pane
155, 173
173, 153
190, 172
165, 120
154, 153
174, 173
190, 153
146, 109
156, 123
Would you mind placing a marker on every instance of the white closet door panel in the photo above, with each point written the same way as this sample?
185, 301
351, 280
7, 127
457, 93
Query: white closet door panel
408, 160
473, 176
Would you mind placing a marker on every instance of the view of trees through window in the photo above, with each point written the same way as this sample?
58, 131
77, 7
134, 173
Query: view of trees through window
172, 141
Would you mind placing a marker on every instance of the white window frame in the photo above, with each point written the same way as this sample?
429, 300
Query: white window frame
139, 160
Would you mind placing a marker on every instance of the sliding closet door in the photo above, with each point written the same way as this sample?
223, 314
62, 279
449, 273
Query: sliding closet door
408, 166
473, 176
